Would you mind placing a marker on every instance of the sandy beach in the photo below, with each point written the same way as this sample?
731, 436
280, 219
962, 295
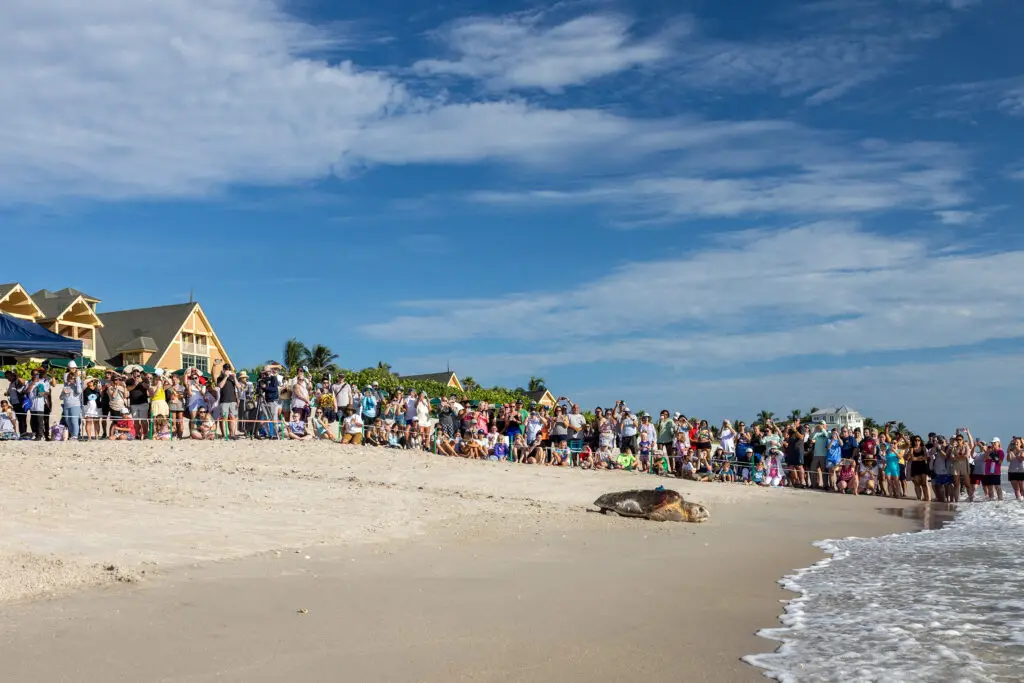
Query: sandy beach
275, 561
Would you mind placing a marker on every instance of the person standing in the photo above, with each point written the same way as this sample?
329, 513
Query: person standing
117, 402
270, 384
819, 460
91, 399
993, 481
17, 391
368, 406
138, 402
1015, 468
301, 391
39, 390
227, 386
158, 405
71, 401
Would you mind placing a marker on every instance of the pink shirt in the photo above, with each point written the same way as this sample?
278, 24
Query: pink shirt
994, 461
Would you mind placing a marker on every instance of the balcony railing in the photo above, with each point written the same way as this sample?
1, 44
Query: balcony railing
195, 349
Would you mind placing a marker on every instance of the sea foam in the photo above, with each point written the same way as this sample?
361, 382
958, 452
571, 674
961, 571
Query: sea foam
934, 605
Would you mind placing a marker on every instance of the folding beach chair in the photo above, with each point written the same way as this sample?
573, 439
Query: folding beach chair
575, 448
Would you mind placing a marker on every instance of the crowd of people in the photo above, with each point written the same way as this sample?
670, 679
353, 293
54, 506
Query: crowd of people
140, 405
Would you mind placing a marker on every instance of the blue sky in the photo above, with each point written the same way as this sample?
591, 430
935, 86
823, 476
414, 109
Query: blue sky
714, 206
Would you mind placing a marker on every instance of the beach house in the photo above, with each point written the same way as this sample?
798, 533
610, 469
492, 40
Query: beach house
168, 337
840, 417
447, 378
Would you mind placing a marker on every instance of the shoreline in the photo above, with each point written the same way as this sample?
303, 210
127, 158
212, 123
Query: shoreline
441, 558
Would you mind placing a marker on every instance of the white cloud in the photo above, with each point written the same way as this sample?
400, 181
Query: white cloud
957, 217
791, 172
524, 51
825, 288
832, 48
126, 98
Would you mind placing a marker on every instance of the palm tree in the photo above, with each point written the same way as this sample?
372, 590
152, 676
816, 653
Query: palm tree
536, 383
901, 428
294, 353
795, 415
320, 359
469, 384
869, 423
381, 365
813, 410
764, 416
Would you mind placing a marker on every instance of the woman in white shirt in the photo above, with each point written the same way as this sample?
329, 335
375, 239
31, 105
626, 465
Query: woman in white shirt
423, 418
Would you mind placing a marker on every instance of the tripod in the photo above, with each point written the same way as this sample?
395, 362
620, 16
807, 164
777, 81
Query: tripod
262, 412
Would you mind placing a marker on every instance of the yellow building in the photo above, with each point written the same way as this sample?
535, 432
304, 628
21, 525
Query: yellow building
16, 302
70, 313
168, 337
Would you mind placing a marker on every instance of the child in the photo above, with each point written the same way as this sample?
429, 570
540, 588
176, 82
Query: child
774, 468
728, 474
8, 422
606, 459
645, 451
758, 477
123, 429
395, 439
500, 449
688, 470
867, 479
560, 456
162, 427
587, 458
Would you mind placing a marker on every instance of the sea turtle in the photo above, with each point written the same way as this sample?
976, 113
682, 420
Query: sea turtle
660, 505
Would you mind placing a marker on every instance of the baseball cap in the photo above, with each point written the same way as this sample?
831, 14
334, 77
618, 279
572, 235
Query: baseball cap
72, 365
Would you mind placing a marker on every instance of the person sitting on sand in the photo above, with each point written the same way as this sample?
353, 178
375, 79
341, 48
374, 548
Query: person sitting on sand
561, 456
586, 458
472, 448
295, 429
8, 422
758, 475
519, 448
124, 428
352, 426
688, 471
606, 459
867, 477
320, 426
162, 428
846, 478
728, 474
444, 446
201, 428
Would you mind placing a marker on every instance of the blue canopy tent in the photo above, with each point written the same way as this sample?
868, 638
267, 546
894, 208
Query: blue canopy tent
21, 340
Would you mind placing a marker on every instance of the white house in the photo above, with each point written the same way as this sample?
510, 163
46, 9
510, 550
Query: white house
843, 416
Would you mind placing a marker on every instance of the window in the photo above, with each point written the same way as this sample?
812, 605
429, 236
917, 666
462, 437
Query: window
131, 357
191, 361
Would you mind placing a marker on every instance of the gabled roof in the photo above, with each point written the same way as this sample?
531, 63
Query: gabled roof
72, 292
55, 304
159, 324
139, 344
442, 377
536, 396
9, 288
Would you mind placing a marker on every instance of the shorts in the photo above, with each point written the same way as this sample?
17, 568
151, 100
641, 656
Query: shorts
918, 468
977, 478
794, 460
703, 445
176, 406
903, 473
158, 409
943, 480
354, 439
992, 480
140, 411
628, 442
818, 461
1015, 476
961, 468
229, 410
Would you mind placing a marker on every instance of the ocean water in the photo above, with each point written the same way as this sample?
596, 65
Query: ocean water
943, 605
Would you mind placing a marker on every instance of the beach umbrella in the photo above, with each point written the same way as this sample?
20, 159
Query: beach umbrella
435, 401
81, 362
181, 373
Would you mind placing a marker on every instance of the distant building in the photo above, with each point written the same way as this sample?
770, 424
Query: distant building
542, 397
446, 378
840, 417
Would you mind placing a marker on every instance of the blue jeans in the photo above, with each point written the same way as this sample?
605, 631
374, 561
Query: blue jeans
72, 420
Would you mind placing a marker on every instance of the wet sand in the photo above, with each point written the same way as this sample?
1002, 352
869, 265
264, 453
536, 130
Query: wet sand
419, 568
